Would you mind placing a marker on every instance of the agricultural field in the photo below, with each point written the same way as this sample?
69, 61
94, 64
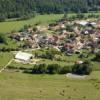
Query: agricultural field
5, 58
19, 86
22, 86
11, 24
8, 26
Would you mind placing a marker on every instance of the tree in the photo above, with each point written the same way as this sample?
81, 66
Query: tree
25, 9
69, 28
97, 58
65, 17
65, 69
3, 38
2, 17
53, 68
82, 69
40, 69
80, 16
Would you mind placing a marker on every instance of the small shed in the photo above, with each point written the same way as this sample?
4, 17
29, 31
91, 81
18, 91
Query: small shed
23, 56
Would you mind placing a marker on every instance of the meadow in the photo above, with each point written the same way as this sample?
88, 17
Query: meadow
22, 86
13, 25
5, 58
8, 26
19, 86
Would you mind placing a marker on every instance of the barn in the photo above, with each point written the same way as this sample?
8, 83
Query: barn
23, 56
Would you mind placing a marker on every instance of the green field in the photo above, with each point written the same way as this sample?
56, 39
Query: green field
5, 58
68, 61
18, 86
22, 86
10, 25
17, 25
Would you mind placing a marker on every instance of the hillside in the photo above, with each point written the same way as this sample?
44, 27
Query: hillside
27, 8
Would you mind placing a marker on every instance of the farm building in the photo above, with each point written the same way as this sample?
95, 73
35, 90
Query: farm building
83, 23
23, 56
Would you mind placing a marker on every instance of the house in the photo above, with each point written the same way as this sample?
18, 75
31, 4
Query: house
79, 45
82, 23
91, 24
79, 62
23, 56
88, 31
62, 26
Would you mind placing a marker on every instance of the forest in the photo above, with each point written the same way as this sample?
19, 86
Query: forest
27, 8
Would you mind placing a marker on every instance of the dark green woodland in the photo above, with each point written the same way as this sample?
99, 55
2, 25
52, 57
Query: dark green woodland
28, 8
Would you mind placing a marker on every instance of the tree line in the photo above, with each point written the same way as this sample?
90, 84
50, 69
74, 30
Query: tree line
80, 69
27, 8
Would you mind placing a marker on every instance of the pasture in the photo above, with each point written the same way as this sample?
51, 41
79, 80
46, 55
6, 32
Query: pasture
6, 27
5, 58
19, 86
22, 86
11, 24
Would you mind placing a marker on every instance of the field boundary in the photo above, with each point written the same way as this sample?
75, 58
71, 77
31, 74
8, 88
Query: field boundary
6, 65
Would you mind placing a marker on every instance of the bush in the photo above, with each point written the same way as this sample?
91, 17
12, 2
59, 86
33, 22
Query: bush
2, 17
3, 38
49, 53
80, 16
69, 28
12, 67
65, 69
53, 69
39, 69
97, 58
82, 69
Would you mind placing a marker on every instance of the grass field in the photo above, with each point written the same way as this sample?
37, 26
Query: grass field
5, 58
21, 86
17, 25
18, 86
8, 26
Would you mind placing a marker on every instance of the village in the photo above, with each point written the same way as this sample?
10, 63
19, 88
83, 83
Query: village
63, 43
49, 49
64, 36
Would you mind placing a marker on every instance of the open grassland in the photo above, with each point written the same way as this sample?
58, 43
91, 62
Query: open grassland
19, 86
5, 58
11, 24
17, 25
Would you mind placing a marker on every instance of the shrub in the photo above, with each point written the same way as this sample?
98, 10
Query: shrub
39, 69
80, 16
97, 58
69, 28
65, 69
12, 67
2, 17
3, 38
53, 69
82, 69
